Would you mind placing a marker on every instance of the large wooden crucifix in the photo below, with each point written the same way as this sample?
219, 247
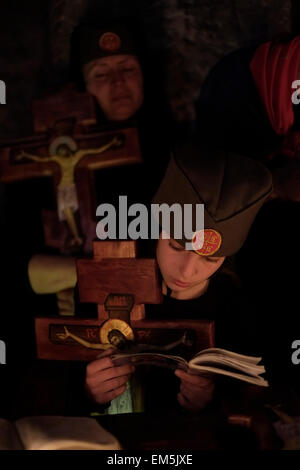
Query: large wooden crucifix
120, 284
67, 148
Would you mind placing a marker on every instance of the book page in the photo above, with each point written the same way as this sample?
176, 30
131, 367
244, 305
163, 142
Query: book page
154, 359
225, 363
64, 433
230, 354
9, 439
255, 380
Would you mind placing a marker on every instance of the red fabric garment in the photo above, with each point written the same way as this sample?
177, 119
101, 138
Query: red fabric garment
274, 67
291, 145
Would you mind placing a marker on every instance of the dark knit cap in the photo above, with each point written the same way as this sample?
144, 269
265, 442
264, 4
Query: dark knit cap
232, 189
92, 41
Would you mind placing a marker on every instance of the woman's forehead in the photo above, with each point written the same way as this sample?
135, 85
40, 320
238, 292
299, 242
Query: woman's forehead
109, 61
177, 244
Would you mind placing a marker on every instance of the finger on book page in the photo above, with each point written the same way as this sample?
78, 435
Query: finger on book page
99, 365
115, 372
184, 402
115, 383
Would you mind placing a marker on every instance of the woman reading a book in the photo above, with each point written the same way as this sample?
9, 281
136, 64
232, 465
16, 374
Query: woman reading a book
196, 282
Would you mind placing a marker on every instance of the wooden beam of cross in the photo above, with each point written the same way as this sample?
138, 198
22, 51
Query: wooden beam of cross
126, 154
69, 152
65, 112
112, 279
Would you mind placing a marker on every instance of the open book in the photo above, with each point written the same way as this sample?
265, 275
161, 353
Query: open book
214, 360
55, 433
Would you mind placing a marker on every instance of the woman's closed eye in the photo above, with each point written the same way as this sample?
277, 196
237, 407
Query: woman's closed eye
210, 259
98, 72
101, 75
128, 70
176, 247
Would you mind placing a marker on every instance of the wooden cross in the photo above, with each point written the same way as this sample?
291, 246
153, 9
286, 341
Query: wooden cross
121, 284
65, 121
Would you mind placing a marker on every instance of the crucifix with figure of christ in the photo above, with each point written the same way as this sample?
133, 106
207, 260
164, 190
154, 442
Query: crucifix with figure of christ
120, 284
64, 152
67, 148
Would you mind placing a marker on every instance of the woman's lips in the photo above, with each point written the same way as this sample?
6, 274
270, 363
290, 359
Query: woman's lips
121, 98
180, 283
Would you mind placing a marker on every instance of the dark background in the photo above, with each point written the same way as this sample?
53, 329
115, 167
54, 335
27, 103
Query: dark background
191, 35
188, 36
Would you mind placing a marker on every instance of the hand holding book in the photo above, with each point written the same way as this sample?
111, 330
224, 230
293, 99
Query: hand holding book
196, 391
105, 381
213, 360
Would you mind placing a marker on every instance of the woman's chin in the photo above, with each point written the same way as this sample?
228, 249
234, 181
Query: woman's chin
123, 112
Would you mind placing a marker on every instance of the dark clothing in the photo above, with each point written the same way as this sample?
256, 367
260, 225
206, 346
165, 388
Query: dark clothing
235, 321
237, 328
154, 125
270, 272
139, 181
230, 112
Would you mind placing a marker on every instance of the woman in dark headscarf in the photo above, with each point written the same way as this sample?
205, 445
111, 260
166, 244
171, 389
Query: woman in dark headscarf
232, 189
246, 106
111, 63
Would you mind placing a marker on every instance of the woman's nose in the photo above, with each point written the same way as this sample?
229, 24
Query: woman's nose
117, 77
189, 265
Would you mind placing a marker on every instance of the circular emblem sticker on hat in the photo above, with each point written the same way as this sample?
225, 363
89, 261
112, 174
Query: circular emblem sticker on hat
206, 242
110, 42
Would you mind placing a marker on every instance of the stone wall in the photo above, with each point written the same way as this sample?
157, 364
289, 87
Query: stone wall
190, 35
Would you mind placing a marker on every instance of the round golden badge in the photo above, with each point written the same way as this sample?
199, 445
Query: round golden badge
208, 239
114, 330
110, 42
